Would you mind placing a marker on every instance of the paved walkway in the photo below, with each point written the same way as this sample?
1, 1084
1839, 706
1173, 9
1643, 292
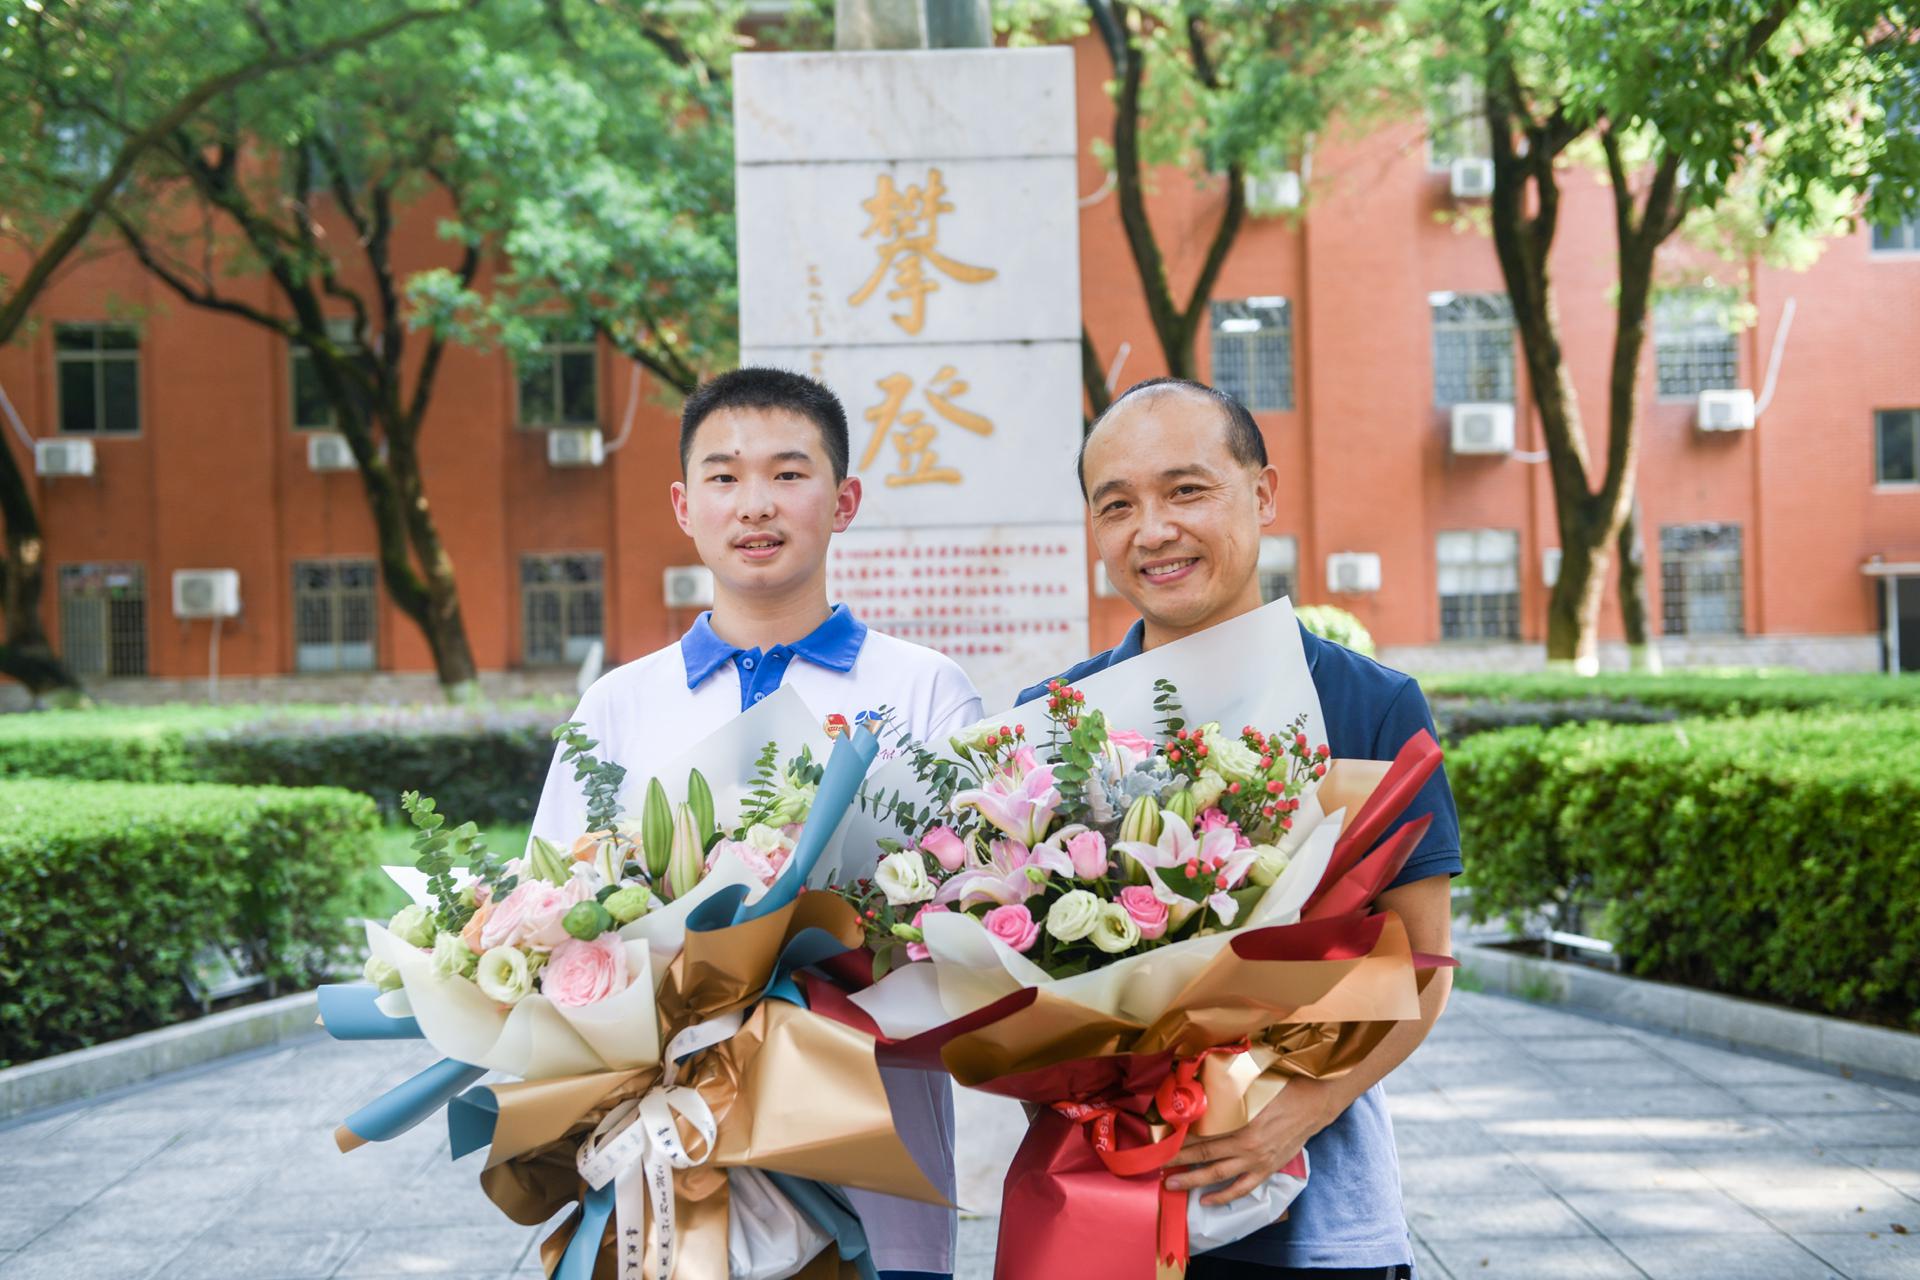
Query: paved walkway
1534, 1144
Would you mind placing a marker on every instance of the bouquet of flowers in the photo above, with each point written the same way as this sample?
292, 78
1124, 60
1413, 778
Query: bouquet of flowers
640, 985
1140, 937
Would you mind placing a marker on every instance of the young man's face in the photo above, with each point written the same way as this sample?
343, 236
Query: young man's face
760, 501
1176, 517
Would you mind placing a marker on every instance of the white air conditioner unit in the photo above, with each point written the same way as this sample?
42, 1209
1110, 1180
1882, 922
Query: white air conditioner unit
689, 586
1725, 411
1353, 571
575, 447
1470, 178
1483, 428
1271, 193
63, 457
206, 593
328, 451
1550, 565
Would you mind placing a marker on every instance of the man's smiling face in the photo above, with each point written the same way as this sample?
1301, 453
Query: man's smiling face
1176, 517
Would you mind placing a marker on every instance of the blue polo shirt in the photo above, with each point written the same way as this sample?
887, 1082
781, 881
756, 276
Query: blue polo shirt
1350, 1214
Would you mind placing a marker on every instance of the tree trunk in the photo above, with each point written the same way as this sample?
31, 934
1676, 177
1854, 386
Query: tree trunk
1634, 611
25, 653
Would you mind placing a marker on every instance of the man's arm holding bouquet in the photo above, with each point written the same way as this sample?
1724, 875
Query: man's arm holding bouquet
1248, 1156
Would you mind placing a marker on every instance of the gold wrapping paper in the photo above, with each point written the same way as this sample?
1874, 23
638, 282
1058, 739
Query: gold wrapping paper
841, 1132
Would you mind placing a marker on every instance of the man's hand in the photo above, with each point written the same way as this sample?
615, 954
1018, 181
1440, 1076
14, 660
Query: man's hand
1250, 1155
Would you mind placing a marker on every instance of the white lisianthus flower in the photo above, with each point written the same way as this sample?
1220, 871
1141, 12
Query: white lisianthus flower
1073, 915
1268, 863
1235, 760
1115, 930
903, 878
452, 957
504, 975
381, 974
974, 736
792, 800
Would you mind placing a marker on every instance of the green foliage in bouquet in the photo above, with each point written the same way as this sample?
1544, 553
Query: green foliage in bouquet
1772, 857
599, 780
107, 890
439, 852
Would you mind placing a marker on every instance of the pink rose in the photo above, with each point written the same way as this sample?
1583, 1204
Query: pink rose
1013, 925
1137, 746
918, 950
584, 972
1088, 850
1147, 911
530, 916
946, 846
755, 861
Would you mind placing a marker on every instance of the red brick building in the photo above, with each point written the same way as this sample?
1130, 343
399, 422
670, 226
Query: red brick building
1352, 327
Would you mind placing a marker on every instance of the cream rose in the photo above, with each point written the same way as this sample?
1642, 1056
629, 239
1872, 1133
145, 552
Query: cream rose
1073, 915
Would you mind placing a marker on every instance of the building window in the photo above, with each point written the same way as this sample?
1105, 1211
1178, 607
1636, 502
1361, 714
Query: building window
559, 383
1457, 125
1253, 352
1279, 560
1479, 584
563, 606
1472, 348
1700, 580
99, 377
333, 612
1896, 446
1693, 347
103, 619
1901, 237
312, 411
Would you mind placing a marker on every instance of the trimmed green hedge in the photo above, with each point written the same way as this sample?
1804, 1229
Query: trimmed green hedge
108, 888
482, 764
1776, 856
1688, 692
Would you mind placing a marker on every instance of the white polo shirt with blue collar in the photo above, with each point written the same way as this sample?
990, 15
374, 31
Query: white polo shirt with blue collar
645, 713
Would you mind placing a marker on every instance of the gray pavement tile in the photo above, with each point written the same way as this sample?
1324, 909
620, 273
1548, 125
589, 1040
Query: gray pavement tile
21, 1224
1642, 1072
1445, 1175
1799, 1210
1906, 1098
1541, 1023
1757, 1257
1427, 1264
1648, 1170
462, 1251
1724, 1066
335, 1210
1698, 1211
1826, 1097
1681, 1101
61, 1157
1585, 1048
1895, 1166
1570, 1133
1691, 1133
1492, 1217
121, 1259
1550, 1258
1446, 1138
1825, 1170
1515, 1073
1421, 1106
1869, 1255
1494, 1099
266, 1254
1875, 1130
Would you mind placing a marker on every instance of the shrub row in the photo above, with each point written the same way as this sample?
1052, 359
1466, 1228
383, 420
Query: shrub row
1687, 692
483, 764
1775, 856
107, 889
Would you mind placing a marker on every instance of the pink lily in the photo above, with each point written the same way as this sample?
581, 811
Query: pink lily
1004, 879
1176, 847
1020, 799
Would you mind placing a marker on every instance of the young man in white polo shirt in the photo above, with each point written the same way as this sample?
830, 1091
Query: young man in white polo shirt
763, 453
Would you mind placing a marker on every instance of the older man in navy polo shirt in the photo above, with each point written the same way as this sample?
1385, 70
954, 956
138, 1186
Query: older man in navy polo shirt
1178, 485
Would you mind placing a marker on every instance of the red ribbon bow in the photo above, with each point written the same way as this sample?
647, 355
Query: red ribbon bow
1181, 1100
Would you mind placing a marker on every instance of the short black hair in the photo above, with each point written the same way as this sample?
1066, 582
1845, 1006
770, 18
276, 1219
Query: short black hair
762, 388
1244, 441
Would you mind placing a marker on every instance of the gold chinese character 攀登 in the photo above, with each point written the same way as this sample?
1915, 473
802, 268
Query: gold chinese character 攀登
908, 224
913, 435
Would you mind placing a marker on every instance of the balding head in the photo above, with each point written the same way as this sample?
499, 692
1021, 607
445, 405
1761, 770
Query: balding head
1243, 438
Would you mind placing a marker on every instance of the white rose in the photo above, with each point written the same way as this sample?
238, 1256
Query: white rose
1073, 915
452, 957
903, 878
1232, 757
381, 974
1268, 863
765, 840
1207, 788
504, 975
1115, 930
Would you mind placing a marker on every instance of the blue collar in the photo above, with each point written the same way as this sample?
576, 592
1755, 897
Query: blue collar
834, 644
